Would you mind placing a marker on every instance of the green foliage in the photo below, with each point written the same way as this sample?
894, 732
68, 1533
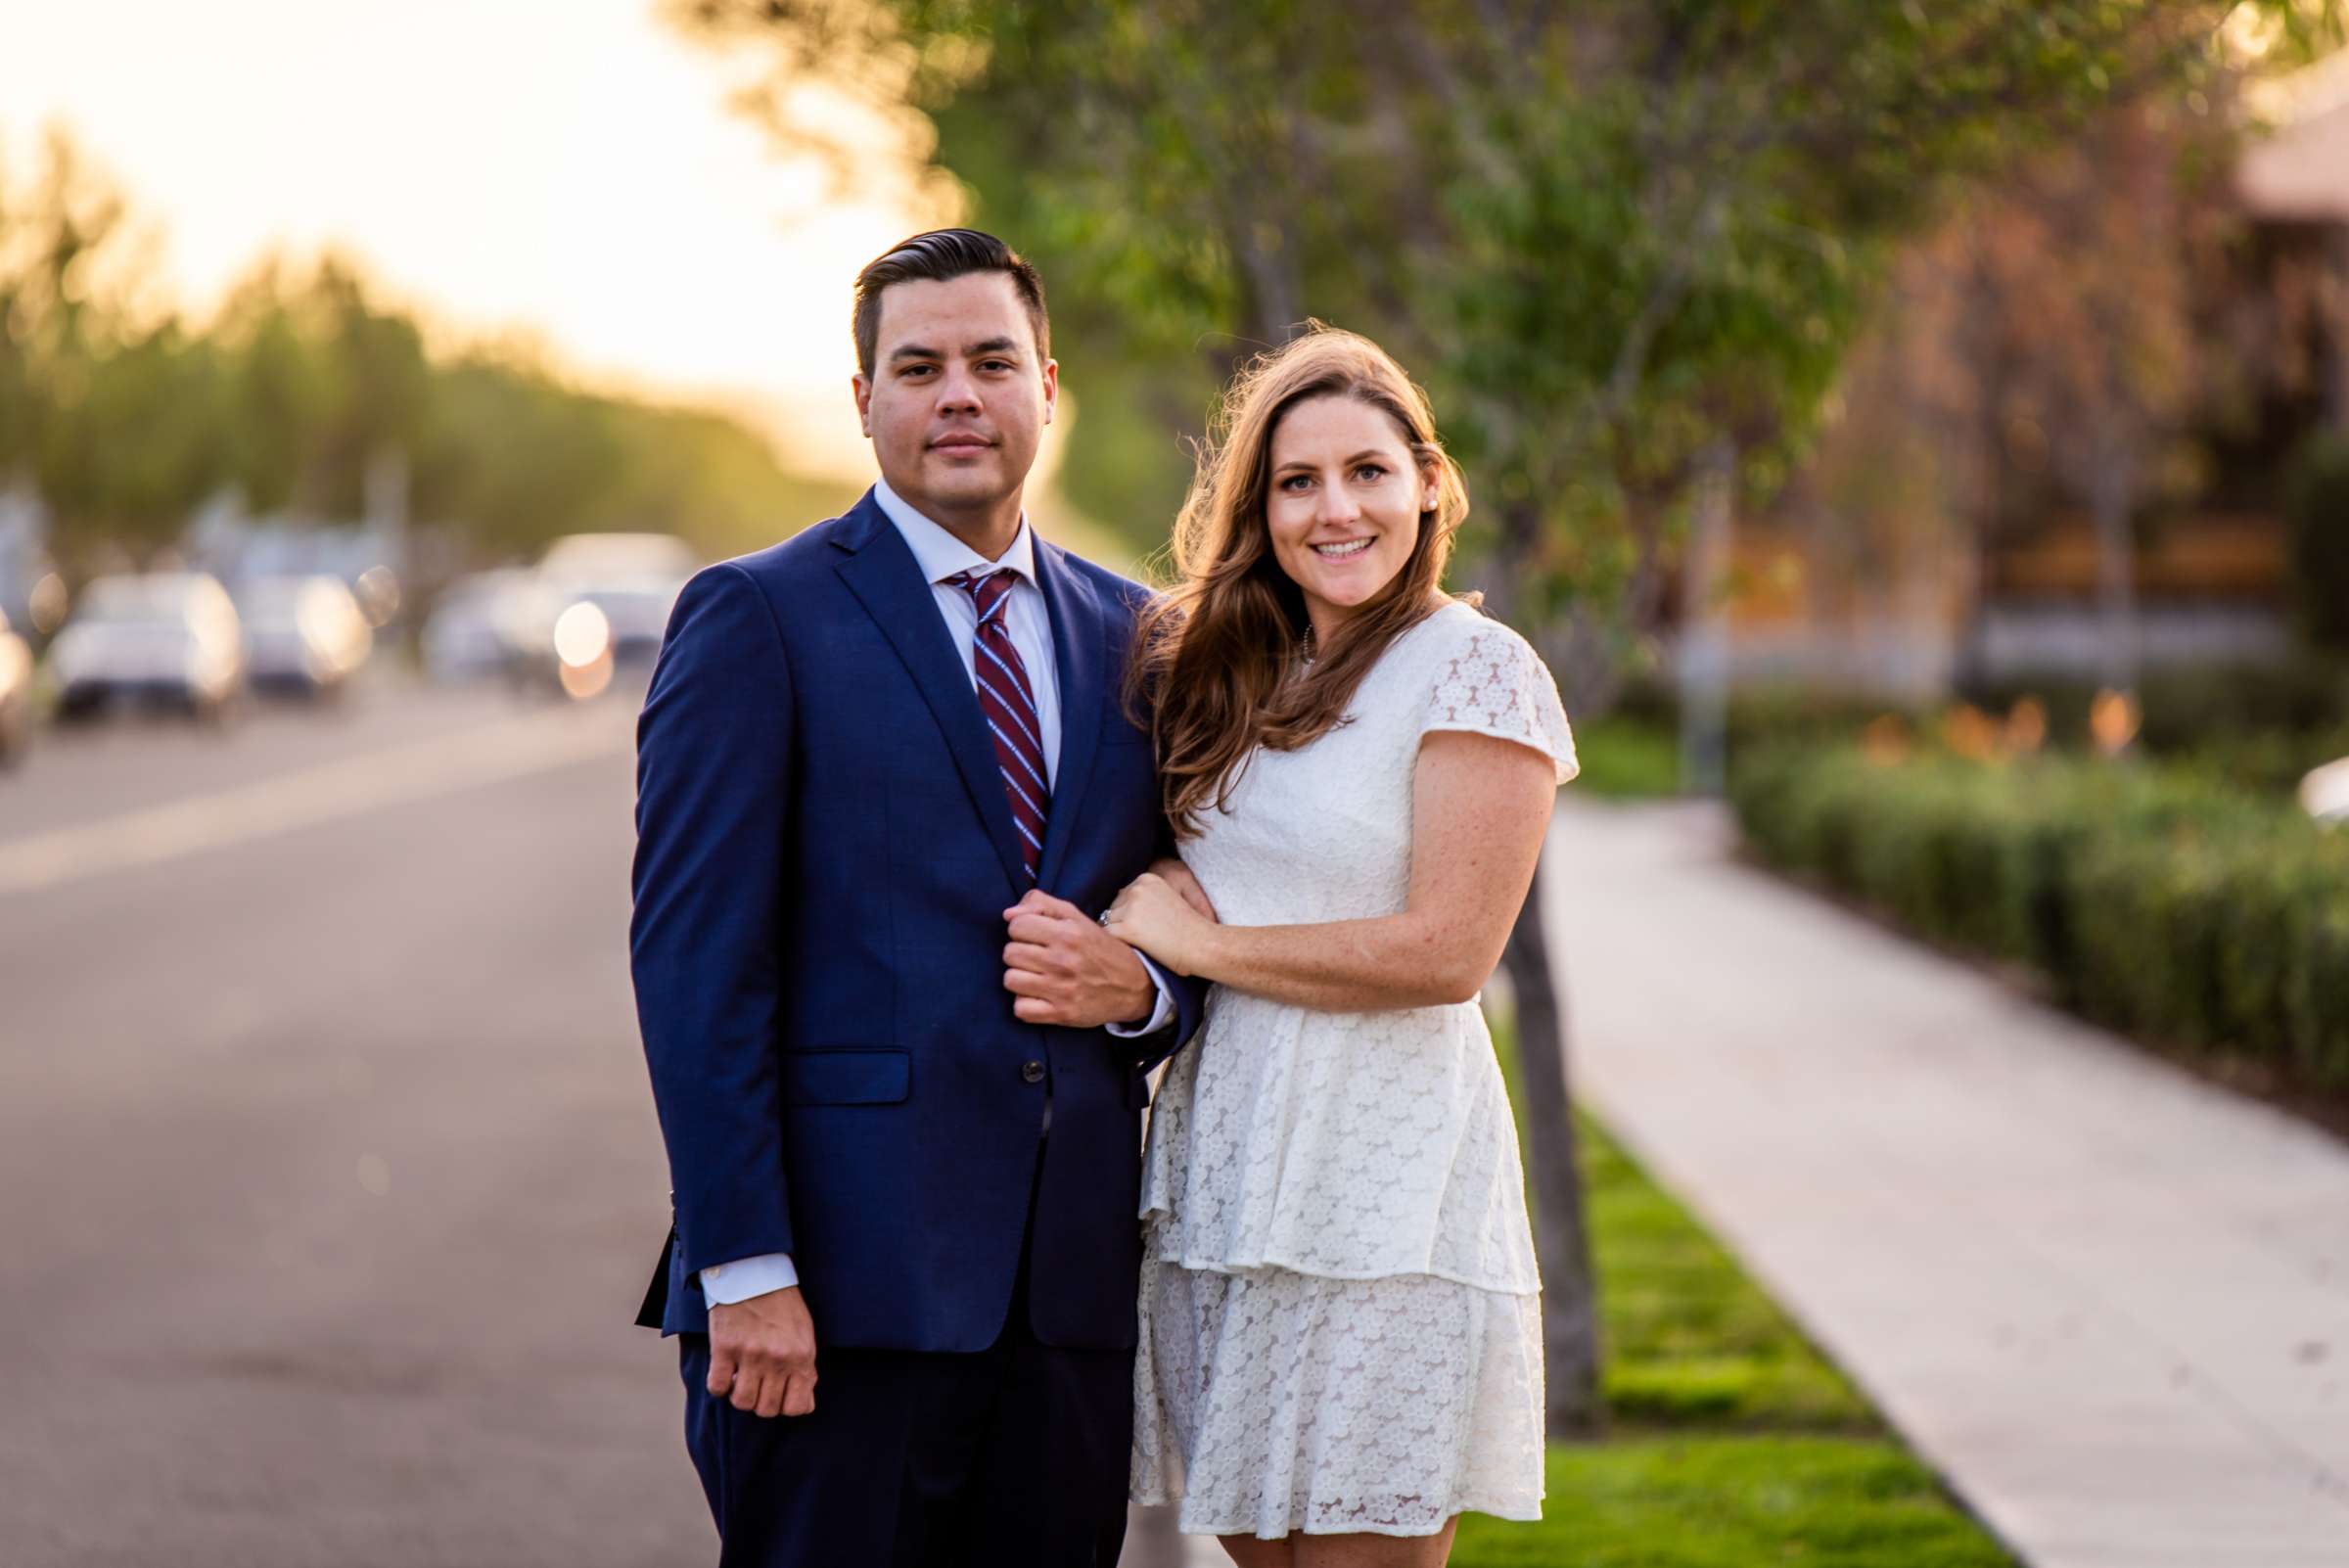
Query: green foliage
1613, 238
1626, 757
138, 433
2156, 901
127, 422
2317, 506
2194, 708
2265, 761
2255, 727
322, 380
111, 411
1135, 466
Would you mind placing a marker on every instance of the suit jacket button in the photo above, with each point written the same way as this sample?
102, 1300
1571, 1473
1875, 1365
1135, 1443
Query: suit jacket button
1031, 1072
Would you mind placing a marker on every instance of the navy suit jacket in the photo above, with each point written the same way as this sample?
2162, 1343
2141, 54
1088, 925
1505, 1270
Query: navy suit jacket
823, 856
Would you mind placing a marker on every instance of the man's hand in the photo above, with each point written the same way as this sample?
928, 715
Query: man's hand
1062, 968
763, 1353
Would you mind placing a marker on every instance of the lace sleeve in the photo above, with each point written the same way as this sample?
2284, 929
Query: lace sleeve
1492, 683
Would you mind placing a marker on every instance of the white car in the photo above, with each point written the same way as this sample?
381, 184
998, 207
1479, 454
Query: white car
304, 634
474, 628
171, 636
603, 557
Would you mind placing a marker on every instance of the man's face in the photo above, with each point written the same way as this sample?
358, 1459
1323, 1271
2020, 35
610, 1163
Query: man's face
958, 397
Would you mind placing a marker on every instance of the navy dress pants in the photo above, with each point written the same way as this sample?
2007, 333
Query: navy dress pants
1015, 1456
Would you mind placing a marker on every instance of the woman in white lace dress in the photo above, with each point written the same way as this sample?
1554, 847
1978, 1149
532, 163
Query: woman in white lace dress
1341, 1346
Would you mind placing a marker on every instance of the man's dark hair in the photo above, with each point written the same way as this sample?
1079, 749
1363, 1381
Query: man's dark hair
940, 256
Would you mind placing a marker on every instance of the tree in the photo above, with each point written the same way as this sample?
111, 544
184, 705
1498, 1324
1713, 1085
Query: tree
138, 448
128, 417
2094, 330
2089, 265
1614, 237
106, 407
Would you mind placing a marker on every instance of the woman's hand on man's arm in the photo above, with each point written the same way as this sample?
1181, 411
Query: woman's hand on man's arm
1175, 874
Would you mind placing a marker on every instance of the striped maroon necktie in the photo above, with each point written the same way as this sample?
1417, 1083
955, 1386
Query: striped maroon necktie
1007, 702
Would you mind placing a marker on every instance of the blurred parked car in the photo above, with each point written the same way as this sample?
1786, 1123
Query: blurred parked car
470, 632
167, 636
633, 579
606, 556
15, 695
304, 635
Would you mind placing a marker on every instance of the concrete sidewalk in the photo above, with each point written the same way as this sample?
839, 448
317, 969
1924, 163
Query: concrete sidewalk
2108, 1303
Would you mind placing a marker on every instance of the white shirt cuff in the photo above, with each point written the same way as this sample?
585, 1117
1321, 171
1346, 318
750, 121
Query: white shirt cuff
1162, 1013
725, 1284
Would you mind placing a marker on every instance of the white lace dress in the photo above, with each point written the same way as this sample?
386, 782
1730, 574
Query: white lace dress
1340, 1314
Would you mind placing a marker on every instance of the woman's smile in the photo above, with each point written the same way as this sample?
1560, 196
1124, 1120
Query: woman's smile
1344, 508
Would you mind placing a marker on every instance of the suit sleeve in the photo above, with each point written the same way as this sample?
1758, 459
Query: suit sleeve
712, 798
1187, 992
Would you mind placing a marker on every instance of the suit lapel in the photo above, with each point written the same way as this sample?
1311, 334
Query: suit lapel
881, 572
1082, 665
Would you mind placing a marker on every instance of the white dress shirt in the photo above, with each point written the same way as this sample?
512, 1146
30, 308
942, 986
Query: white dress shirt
941, 556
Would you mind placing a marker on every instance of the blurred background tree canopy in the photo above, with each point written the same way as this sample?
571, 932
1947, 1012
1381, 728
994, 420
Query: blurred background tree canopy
125, 417
1610, 237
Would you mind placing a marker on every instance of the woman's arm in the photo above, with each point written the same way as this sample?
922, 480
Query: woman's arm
1183, 880
1478, 809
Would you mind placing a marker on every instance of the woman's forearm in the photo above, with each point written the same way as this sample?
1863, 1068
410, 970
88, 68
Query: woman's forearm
1347, 966
1480, 805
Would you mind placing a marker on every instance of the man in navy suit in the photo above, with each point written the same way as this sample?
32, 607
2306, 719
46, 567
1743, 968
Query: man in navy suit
884, 783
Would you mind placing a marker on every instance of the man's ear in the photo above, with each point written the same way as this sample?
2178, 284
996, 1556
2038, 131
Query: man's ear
864, 390
1051, 388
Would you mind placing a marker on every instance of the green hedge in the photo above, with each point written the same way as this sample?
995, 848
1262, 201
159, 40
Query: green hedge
2193, 709
2254, 727
2160, 902
2316, 503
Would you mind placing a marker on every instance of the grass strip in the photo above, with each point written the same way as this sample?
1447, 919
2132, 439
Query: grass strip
1732, 1442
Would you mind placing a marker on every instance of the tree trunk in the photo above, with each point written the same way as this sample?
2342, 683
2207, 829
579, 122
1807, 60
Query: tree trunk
1704, 662
2336, 399
1552, 1153
1554, 1176
2112, 493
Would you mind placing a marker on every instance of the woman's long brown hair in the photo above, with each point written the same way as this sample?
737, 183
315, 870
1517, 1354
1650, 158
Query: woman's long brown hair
1218, 664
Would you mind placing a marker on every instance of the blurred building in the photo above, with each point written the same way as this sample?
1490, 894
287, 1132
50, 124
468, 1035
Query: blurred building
2105, 316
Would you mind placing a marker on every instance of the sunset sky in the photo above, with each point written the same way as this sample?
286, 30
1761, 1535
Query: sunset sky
565, 166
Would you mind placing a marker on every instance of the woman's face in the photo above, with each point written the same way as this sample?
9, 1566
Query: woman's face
1345, 505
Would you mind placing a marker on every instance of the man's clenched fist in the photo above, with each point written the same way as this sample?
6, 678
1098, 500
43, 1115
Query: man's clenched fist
1062, 968
762, 1354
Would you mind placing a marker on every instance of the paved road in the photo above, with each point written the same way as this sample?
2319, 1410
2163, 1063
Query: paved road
2109, 1303
326, 1167
328, 1177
